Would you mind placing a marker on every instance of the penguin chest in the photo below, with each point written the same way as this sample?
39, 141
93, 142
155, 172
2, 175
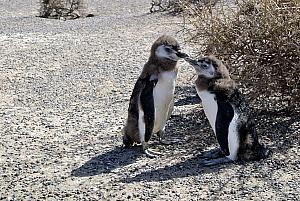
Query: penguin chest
163, 94
227, 133
210, 107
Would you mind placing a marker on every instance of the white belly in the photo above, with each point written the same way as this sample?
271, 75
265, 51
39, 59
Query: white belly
233, 138
163, 94
210, 107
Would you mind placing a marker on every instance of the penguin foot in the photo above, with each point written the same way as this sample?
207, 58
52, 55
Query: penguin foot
152, 154
216, 161
213, 154
127, 142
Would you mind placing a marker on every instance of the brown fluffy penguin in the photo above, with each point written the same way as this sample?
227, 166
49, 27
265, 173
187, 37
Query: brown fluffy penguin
151, 101
228, 113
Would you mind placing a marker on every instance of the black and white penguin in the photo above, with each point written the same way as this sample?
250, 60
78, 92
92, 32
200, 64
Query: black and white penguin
151, 102
228, 113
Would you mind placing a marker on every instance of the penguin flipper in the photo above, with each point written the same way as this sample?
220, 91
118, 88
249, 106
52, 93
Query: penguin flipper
147, 105
224, 117
134, 99
131, 129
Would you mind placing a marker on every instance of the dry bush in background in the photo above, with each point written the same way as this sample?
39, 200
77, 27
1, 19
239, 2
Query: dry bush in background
259, 40
62, 9
176, 6
163, 5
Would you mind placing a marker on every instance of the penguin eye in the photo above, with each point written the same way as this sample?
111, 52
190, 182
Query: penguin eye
168, 49
204, 65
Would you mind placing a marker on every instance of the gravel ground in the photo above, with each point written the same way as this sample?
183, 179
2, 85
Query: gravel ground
65, 87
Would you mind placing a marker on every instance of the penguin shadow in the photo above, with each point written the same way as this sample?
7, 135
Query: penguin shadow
186, 95
276, 130
279, 129
190, 167
185, 128
193, 130
107, 162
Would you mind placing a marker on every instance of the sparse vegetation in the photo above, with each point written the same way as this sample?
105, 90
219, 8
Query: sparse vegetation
178, 6
62, 9
258, 39
173, 6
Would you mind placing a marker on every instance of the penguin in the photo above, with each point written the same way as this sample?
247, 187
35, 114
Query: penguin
228, 113
151, 102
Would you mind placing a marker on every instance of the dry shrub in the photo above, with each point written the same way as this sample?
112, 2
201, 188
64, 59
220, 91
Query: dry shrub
62, 9
259, 40
176, 6
164, 5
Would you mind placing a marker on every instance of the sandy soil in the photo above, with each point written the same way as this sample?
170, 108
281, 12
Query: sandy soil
65, 87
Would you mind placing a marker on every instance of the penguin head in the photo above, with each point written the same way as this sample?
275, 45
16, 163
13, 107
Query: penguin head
166, 49
204, 67
209, 67
169, 53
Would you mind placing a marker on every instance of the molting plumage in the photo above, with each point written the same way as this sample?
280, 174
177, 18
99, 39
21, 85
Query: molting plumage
227, 111
151, 102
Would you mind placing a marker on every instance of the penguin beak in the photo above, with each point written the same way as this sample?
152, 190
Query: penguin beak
191, 61
182, 55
